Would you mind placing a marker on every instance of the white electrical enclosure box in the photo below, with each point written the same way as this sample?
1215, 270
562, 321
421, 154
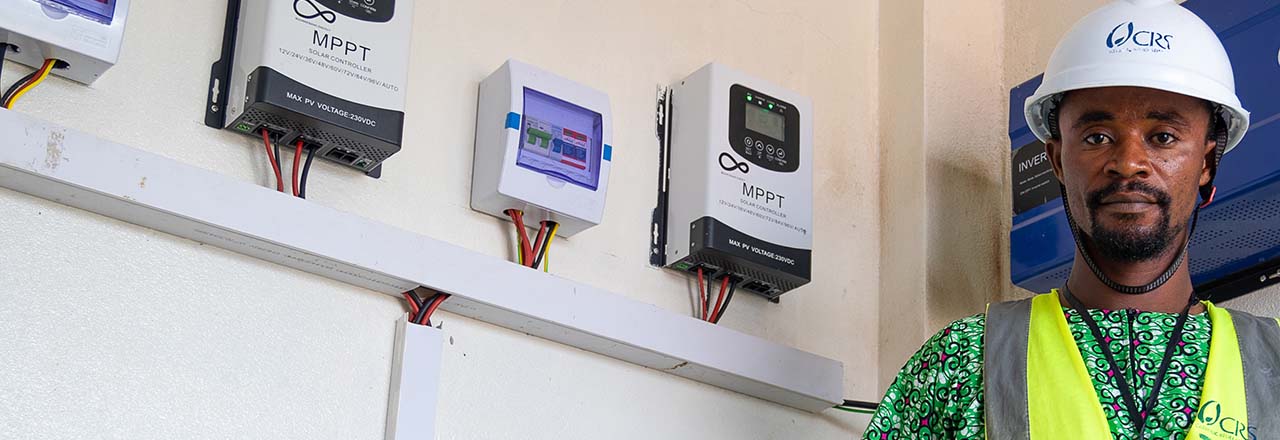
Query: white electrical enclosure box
739, 180
329, 73
543, 145
84, 34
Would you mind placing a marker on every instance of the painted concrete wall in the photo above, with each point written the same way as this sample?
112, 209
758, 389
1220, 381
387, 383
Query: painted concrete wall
942, 154
113, 331
903, 241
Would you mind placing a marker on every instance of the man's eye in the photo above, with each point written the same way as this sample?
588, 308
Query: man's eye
1097, 139
1164, 139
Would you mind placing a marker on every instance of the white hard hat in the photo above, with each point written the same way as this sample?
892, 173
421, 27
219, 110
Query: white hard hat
1155, 44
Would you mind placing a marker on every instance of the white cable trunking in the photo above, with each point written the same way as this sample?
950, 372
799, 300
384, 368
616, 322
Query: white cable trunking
82, 171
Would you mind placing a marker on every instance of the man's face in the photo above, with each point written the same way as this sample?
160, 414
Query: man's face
1132, 160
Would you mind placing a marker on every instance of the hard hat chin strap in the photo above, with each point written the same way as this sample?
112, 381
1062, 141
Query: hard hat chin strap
1106, 280
1219, 128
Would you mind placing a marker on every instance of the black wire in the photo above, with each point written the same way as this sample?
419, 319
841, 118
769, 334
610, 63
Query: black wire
444, 297
546, 243
422, 307
860, 404
706, 293
733, 285
302, 187
417, 300
17, 85
279, 160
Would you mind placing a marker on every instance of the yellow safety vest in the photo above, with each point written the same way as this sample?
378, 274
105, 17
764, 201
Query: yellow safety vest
1037, 386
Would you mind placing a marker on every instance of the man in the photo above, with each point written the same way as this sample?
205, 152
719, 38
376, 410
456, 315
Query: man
1137, 105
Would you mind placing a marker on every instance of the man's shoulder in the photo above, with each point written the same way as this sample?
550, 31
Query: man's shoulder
966, 331
1237, 314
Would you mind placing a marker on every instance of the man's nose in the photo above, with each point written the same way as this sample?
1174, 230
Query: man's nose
1130, 158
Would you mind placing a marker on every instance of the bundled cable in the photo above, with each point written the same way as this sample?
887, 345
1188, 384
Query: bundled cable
706, 311
421, 311
532, 254
24, 85
719, 313
517, 218
541, 259
724, 287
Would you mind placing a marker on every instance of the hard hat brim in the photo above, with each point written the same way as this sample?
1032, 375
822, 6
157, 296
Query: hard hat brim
1174, 80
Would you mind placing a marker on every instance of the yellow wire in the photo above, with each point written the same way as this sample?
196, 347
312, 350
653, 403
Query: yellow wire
546, 258
519, 248
44, 73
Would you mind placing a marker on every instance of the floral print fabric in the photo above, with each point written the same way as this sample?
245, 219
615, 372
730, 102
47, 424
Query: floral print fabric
938, 394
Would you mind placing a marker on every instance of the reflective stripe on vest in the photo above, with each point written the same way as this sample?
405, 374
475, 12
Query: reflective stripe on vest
1037, 386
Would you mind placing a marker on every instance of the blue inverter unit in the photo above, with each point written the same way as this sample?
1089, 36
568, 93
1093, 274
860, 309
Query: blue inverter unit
1236, 246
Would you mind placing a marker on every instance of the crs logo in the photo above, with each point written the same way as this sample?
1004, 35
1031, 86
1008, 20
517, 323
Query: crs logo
1224, 427
1127, 33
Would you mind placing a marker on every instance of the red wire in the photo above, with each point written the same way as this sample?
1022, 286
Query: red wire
724, 286
537, 244
518, 218
297, 161
435, 304
275, 165
702, 296
47, 65
413, 306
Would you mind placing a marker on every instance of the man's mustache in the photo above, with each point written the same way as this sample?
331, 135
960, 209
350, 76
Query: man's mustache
1161, 197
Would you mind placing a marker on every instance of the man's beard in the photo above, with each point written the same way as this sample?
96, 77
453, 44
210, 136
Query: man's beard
1132, 245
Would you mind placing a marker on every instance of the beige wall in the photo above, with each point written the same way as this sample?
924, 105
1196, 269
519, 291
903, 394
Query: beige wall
903, 243
943, 154
912, 218
112, 331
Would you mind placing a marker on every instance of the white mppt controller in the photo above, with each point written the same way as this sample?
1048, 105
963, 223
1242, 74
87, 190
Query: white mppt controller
329, 73
85, 35
738, 185
543, 146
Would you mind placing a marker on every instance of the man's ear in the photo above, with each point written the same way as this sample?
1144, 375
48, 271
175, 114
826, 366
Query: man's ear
1210, 156
1054, 148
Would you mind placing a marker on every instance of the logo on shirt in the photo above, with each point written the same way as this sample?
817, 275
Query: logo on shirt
1222, 426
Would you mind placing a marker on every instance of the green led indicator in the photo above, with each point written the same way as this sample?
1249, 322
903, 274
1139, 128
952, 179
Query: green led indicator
749, 98
770, 106
682, 266
244, 127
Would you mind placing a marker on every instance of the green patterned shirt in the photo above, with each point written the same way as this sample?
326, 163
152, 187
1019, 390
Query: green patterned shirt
938, 394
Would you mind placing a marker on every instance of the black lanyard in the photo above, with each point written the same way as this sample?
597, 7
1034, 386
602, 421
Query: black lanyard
1137, 413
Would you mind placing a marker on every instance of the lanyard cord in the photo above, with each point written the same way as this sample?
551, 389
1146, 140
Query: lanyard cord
1137, 414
